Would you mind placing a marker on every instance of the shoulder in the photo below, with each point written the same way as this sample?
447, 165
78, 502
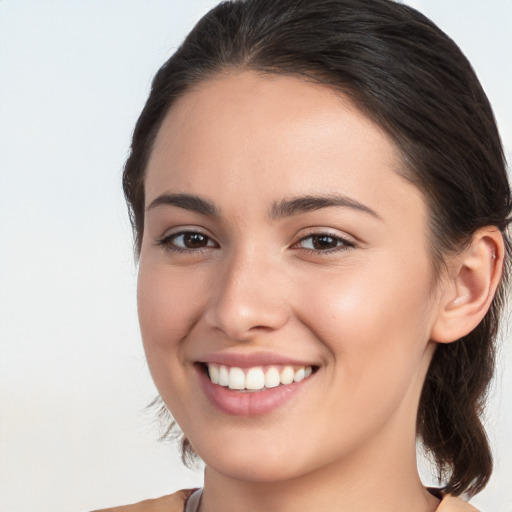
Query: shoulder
453, 504
176, 503
170, 503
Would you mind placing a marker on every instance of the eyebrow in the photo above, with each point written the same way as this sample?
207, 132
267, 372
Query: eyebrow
279, 210
295, 206
188, 202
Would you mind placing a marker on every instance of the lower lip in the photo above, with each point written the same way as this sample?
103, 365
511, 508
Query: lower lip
249, 403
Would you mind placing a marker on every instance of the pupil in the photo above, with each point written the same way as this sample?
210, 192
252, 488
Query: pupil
324, 242
194, 240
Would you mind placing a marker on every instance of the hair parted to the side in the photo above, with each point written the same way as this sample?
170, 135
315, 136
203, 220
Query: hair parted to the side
413, 81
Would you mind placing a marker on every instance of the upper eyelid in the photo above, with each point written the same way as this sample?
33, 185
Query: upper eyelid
318, 231
181, 230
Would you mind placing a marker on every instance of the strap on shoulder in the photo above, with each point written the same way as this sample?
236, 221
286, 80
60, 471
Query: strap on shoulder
454, 504
170, 503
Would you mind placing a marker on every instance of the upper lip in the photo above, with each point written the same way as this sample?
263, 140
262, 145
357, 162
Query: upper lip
249, 360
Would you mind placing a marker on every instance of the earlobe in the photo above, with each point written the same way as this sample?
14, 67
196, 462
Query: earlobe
468, 291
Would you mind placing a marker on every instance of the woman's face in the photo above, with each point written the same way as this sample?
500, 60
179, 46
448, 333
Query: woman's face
280, 239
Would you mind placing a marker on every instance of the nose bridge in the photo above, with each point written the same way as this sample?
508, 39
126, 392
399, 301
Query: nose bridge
248, 295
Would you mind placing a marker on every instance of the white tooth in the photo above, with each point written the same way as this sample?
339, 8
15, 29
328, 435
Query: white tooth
309, 370
272, 378
236, 378
255, 379
299, 375
287, 375
223, 376
213, 371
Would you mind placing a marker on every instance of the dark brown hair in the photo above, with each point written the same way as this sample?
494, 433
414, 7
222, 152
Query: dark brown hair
412, 80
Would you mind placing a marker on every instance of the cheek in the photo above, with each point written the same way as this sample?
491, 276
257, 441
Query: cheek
168, 305
168, 308
375, 323
366, 299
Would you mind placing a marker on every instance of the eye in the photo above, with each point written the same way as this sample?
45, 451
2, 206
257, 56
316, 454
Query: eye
187, 241
323, 242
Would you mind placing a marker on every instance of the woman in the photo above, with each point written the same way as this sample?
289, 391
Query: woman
320, 204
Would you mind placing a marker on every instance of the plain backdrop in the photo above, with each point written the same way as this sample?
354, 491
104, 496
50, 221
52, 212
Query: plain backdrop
74, 431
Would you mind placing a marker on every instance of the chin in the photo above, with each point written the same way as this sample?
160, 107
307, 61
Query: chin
255, 471
255, 464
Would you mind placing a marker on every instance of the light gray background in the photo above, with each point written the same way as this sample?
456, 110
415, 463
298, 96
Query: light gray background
73, 381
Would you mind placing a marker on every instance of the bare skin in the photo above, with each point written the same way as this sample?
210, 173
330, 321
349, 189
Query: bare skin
346, 287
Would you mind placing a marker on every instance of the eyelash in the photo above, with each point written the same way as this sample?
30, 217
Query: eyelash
168, 244
343, 243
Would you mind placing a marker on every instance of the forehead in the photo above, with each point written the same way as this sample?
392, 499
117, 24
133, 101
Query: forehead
266, 137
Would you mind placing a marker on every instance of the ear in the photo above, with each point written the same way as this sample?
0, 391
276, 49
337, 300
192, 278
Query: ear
468, 289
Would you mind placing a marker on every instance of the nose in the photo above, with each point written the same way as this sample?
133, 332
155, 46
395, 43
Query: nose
248, 298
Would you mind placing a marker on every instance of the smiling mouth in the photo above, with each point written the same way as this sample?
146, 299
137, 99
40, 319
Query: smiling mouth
256, 378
